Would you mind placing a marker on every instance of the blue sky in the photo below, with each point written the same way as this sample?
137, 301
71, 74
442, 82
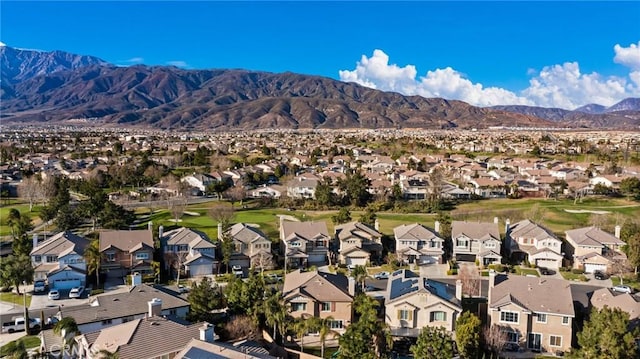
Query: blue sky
553, 54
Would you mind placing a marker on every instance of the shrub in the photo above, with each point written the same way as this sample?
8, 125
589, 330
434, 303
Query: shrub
96, 292
563, 269
497, 267
452, 271
577, 271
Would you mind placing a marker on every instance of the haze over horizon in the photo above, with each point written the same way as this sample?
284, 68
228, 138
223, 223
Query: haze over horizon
485, 53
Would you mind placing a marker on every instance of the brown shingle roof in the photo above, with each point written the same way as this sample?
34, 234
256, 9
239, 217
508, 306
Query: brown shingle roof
533, 294
126, 240
324, 287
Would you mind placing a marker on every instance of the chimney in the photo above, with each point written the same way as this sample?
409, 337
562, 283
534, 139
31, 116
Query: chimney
459, 290
160, 232
352, 286
155, 307
206, 333
492, 281
219, 231
35, 240
376, 225
507, 226
495, 220
617, 233
436, 226
150, 225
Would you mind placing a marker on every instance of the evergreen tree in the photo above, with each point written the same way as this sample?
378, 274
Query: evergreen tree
606, 335
203, 298
367, 337
433, 343
468, 328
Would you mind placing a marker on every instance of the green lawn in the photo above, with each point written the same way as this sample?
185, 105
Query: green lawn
573, 276
5, 230
30, 341
328, 352
630, 280
526, 271
13, 298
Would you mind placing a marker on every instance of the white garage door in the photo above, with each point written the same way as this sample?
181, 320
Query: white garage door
356, 261
200, 269
66, 283
590, 268
547, 263
428, 260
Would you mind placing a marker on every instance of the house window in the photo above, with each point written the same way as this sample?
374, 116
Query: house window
509, 317
111, 257
438, 316
434, 244
142, 256
555, 341
37, 258
173, 312
541, 318
298, 307
127, 319
565, 320
295, 244
461, 242
335, 324
51, 259
405, 314
512, 337
106, 322
490, 244
325, 306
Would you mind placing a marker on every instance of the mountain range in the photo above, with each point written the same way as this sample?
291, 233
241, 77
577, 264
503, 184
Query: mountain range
58, 87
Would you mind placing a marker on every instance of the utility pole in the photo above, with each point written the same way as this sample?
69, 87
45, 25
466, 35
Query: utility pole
26, 310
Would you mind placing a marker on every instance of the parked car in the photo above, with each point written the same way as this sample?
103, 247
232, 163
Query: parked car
370, 288
39, 286
381, 275
17, 324
182, 289
622, 289
547, 271
273, 278
237, 271
599, 275
76, 292
54, 294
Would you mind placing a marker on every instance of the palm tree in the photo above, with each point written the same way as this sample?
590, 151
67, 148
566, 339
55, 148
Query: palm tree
93, 257
322, 326
359, 273
64, 328
301, 327
275, 312
15, 350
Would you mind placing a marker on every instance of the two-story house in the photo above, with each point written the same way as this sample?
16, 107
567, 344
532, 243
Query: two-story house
303, 186
534, 243
626, 302
189, 248
304, 242
413, 302
125, 252
359, 243
199, 180
417, 243
252, 248
594, 249
522, 308
60, 260
476, 241
320, 294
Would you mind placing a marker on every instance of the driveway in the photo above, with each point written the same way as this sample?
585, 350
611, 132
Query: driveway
42, 301
434, 271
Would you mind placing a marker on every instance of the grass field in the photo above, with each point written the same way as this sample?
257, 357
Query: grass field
5, 230
13, 298
30, 341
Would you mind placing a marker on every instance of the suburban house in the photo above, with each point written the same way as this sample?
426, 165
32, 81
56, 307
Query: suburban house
476, 241
359, 243
417, 243
151, 336
201, 349
272, 191
303, 186
320, 294
199, 181
594, 249
107, 310
533, 319
191, 249
304, 242
126, 251
626, 302
413, 302
529, 241
60, 260
251, 247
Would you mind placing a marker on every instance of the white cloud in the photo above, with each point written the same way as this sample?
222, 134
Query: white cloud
2, 44
628, 56
177, 63
135, 60
561, 86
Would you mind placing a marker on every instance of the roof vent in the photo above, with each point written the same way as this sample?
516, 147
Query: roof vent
115, 299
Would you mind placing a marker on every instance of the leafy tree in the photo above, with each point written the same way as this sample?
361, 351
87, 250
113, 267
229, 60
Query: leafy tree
324, 194
222, 214
606, 335
433, 343
203, 298
468, 328
301, 326
632, 249
356, 189
367, 337
359, 273
66, 219
630, 186
227, 247
16, 269
217, 187
368, 217
245, 297
93, 257
322, 326
343, 216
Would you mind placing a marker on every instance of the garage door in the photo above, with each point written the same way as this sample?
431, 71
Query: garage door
590, 268
547, 263
66, 283
356, 261
200, 269
428, 260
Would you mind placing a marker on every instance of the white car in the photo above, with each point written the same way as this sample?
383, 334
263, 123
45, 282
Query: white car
76, 292
237, 270
381, 275
39, 286
54, 294
622, 289
182, 289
